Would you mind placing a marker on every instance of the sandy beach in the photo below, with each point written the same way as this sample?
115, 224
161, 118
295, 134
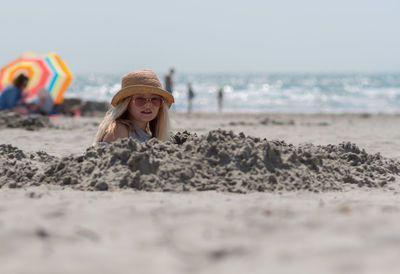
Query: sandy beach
280, 129
341, 217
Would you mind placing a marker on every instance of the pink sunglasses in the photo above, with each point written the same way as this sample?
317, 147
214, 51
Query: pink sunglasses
141, 101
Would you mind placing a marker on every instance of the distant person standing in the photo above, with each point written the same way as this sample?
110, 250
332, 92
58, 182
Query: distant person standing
191, 95
220, 98
11, 98
169, 83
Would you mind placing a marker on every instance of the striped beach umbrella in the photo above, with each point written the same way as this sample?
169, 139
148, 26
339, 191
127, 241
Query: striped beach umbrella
44, 71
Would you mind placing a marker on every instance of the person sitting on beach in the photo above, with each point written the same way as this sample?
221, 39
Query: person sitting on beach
11, 98
44, 105
138, 110
45, 102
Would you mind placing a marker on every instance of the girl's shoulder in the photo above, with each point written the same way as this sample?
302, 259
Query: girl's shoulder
122, 128
120, 131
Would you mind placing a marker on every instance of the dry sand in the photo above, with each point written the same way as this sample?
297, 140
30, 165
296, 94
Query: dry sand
51, 228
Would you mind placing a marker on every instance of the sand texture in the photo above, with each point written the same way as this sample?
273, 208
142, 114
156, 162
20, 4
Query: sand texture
232, 193
220, 160
14, 120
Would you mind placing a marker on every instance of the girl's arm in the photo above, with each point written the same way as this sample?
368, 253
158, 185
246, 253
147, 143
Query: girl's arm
121, 131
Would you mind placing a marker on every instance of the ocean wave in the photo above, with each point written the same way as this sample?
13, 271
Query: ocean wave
305, 93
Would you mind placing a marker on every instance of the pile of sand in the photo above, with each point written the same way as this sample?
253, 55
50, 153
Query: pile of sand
220, 160
14, 120
86, 108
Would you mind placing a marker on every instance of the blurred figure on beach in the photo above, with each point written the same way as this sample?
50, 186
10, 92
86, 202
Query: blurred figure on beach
139, 110
190, 97
11, 99
220, 98
45, 105
169, 83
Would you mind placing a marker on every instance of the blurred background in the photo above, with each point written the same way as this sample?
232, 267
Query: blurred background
267, 56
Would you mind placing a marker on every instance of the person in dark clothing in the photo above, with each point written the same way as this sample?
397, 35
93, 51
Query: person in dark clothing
169, 84
220, 97
11, 97
190, 97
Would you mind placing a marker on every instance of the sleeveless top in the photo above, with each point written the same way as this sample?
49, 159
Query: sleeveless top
137, 134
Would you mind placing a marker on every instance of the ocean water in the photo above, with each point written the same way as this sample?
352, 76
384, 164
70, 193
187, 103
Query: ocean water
300, 93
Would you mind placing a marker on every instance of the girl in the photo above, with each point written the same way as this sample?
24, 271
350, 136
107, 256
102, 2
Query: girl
139, 110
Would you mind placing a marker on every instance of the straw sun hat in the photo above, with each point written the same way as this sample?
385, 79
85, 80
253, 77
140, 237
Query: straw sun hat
139, 82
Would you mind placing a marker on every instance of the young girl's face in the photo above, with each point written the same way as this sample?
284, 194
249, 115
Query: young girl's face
144, 107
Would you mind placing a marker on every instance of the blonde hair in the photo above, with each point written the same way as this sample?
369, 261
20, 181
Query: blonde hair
159, 127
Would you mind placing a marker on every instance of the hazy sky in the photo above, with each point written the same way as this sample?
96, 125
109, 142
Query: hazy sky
207, 36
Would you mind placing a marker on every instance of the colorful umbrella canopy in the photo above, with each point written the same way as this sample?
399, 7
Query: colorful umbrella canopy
44, 71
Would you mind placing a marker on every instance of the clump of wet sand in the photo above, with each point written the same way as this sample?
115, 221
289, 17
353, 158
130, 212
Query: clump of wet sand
14, 120
19, 169
220, 160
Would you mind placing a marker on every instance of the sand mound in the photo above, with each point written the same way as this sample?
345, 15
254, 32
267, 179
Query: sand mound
220, 160
87, 108
14, 120
18, 169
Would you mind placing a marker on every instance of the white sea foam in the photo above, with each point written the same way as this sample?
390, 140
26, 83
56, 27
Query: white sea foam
306, 93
